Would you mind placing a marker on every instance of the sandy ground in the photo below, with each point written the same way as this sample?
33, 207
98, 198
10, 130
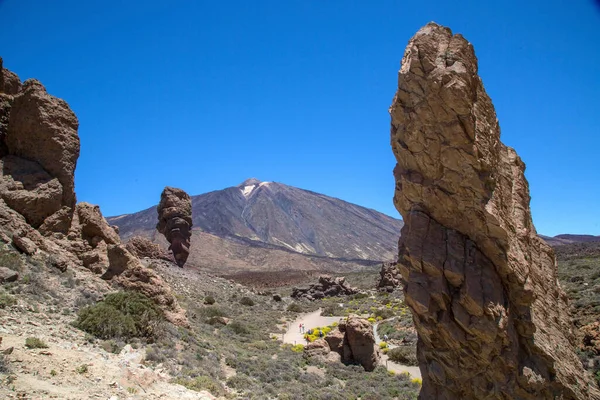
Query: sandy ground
315, 319
73, 369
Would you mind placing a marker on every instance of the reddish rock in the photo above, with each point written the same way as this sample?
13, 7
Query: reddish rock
8, 275
328, 286
175, 222
491, 317
142, 247
40, 128
389, 277
361, 340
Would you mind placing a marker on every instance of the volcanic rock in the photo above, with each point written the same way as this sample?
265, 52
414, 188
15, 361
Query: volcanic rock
40, 128
482, 286
175, 222
39, 147
361, 340
142, 247
8, 275
327, 287
353, 340
389, 277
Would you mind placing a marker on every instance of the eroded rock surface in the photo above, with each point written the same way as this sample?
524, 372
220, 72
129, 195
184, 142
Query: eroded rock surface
175, 222
142, 247
39, 148
389, 277
328, 286
353, 341
491, 317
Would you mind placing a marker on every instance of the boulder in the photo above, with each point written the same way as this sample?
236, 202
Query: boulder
175, 222
491, 318
8, 275
24, 244
327, 287
143, 247
389, 277
361, 341
40, 128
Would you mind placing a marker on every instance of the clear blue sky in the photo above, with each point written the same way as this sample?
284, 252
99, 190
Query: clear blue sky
203, 95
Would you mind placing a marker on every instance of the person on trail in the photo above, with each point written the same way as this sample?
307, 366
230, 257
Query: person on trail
300, 328
320, 333
385, 338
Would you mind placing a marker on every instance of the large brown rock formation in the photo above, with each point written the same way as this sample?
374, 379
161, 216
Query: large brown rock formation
175, 222
482, 286
39, 148
353, 341
328, 286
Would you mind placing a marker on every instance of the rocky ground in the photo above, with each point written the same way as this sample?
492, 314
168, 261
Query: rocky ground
229, 349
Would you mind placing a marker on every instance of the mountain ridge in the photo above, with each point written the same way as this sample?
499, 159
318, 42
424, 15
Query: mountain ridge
278, 217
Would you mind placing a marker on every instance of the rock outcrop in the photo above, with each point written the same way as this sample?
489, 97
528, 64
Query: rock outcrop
327, 287
482, 286
353, 340
389, 277
175, 222
39, 148
142, 247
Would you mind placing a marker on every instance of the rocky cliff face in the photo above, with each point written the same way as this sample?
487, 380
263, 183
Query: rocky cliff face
39, 148
175, 222
482, 286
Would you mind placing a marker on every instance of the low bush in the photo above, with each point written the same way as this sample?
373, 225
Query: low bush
295, 307
406, 355
201, 383
209, 300
6, 300
246, 301
35, 343
3, 364
213, 311
121, 315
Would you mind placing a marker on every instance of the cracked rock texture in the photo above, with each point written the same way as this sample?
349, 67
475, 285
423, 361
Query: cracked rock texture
175, 222
39, 216
389, 277
482, 286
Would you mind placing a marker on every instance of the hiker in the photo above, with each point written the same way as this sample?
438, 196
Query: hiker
320, 333
300, 328
385, 338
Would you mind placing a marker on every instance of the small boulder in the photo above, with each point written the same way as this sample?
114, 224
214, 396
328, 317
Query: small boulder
8, 275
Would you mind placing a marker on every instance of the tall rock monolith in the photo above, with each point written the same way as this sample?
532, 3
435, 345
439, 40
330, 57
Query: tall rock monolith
175, 222
482, 286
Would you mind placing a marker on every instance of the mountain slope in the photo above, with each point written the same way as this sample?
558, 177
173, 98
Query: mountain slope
276, 216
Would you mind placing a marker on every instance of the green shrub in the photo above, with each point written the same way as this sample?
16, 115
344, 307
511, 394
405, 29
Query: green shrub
295, 307
209, 300
213, 311
238, 328
384, 313
201, 383
122, 315
6, 300
246, 301
35, 343
3, 364
82, 369
406, 355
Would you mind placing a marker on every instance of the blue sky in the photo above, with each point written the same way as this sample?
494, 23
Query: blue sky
203, 95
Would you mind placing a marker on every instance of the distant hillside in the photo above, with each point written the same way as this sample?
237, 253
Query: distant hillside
281, 221
566, 238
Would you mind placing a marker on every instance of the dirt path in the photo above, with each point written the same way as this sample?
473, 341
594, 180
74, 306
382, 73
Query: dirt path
415, 372
315, 319
310, 321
